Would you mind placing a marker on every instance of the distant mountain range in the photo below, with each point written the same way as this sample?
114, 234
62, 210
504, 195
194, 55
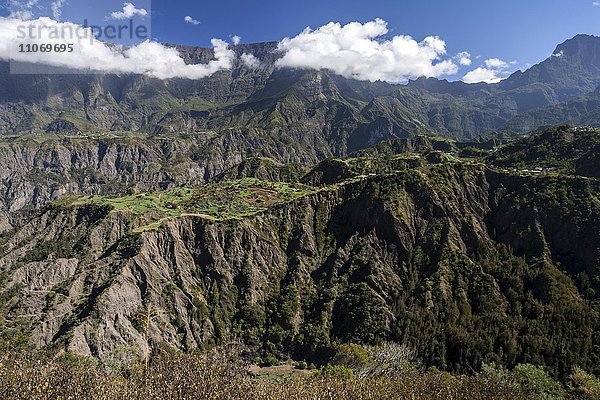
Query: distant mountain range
331, 115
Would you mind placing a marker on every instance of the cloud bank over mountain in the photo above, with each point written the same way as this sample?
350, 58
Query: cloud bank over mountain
358, 51
362, 51
493, 71
150, 58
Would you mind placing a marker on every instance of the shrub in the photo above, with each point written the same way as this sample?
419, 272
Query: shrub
496, 376
337, 372
350, 355
214, 375
529, 380
301, 365
536, 382
269, 361
390, 359
584, 385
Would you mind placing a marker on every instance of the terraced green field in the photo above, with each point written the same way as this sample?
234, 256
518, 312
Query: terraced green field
215, 201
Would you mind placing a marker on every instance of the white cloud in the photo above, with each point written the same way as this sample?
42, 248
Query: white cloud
596, 3
129, 11
250, 60
188, 19
236, 39
56, 7
493, 72
357, 51
481, 74
495, 63
150, 58
463, 58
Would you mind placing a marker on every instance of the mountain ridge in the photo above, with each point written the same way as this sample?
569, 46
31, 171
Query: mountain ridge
34, 104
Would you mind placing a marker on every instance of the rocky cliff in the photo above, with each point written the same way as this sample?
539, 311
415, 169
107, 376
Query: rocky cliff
462, 262
34, 172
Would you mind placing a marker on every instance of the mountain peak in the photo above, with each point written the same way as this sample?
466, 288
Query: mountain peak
578, 41
580, 47
572, 70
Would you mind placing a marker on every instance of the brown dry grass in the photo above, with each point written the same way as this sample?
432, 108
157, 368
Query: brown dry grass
218, 377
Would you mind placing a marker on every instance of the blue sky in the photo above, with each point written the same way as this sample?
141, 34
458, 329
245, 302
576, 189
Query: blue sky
522, 32
526, 30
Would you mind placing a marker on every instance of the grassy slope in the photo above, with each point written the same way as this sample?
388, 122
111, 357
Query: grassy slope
216, 201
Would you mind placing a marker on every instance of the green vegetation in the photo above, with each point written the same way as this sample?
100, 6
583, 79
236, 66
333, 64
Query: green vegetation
216, 201
561, 149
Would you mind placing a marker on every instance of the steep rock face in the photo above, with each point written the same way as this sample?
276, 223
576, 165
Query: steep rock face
265, 169
428, 257
32, 174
